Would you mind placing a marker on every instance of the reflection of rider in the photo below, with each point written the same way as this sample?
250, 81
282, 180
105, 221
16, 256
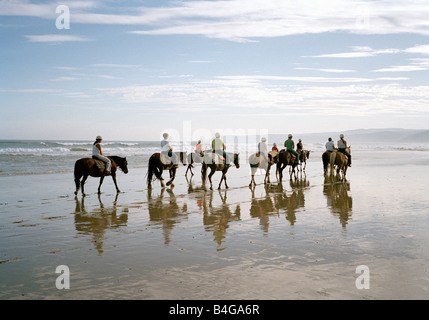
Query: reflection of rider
290, 145
167, 150
98, 154
342, 145
219, 147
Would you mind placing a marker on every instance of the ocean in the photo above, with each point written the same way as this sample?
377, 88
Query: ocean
23, 157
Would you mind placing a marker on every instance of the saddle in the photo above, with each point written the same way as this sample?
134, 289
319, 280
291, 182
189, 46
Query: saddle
100, 164
292, 155
165, 159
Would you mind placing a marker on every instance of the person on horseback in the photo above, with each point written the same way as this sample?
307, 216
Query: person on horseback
299, 146
274, 148
330, 146
219, 147
97, 154
342, 145
290, 146
263, 150
167, 150
199, 148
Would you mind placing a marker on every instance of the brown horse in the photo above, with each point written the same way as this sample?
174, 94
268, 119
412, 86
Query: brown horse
257, 161
157, 164
286, 159
212, 161
87, 167
340, 160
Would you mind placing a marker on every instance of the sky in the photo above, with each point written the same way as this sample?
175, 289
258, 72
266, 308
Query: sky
131, 70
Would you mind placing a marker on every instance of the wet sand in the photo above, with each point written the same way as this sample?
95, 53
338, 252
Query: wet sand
295, 240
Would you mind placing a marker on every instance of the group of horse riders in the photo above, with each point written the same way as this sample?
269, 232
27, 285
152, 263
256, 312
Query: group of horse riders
341, 147
218, 147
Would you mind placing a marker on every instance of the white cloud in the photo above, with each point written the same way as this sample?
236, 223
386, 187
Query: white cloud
327, 70
247, 20
55, 38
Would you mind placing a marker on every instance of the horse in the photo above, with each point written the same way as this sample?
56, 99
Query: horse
341, 161
88, 167
257, 161
157, 164
326, 159
286, 159
215, 163
193, 157
303, 156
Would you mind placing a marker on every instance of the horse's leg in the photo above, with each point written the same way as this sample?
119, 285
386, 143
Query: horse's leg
114, 180
224, 178
101, 182
210, 177
172, 175
77, 182
82, 183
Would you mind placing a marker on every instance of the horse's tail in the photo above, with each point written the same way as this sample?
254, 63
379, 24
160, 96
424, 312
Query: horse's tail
154, 171
77, 175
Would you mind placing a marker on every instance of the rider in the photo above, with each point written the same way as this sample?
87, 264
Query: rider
330, 146
290, 145
342, 145
98, 154
199, 148
167, 150
274, 148
299, 146
263, 150
219, 147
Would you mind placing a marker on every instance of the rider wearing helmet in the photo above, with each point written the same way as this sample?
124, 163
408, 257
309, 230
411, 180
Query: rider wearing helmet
290, 146
219, 147
98, 154
342, 145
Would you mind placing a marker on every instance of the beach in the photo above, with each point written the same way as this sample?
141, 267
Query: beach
300, 239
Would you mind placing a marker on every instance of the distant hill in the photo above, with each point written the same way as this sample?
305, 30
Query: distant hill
361, 135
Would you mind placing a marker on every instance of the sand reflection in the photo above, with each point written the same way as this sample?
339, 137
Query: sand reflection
217, 216
165, 212
338, 199
96, 222
278, 200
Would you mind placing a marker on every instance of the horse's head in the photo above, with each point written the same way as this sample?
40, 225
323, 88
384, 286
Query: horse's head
308, 154
348, 149
237, 160
123, 164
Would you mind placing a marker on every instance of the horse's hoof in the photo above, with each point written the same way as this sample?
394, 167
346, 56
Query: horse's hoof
83, 194
75, 193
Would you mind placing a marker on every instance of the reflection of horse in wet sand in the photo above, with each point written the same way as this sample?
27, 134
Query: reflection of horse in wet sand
341, 161
258, 161
338, 199
215, 163
98, 221
88, 167
158, 162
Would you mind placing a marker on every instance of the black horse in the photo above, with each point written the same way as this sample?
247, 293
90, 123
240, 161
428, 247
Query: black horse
212, 161
286, 159
88, 167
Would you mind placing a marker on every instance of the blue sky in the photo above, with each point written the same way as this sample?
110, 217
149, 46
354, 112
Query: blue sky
129, 70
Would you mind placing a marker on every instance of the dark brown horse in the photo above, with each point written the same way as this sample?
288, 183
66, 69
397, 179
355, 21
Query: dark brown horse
303, 156
326, 159
157, 164
286, 159
87, 167
212, 161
